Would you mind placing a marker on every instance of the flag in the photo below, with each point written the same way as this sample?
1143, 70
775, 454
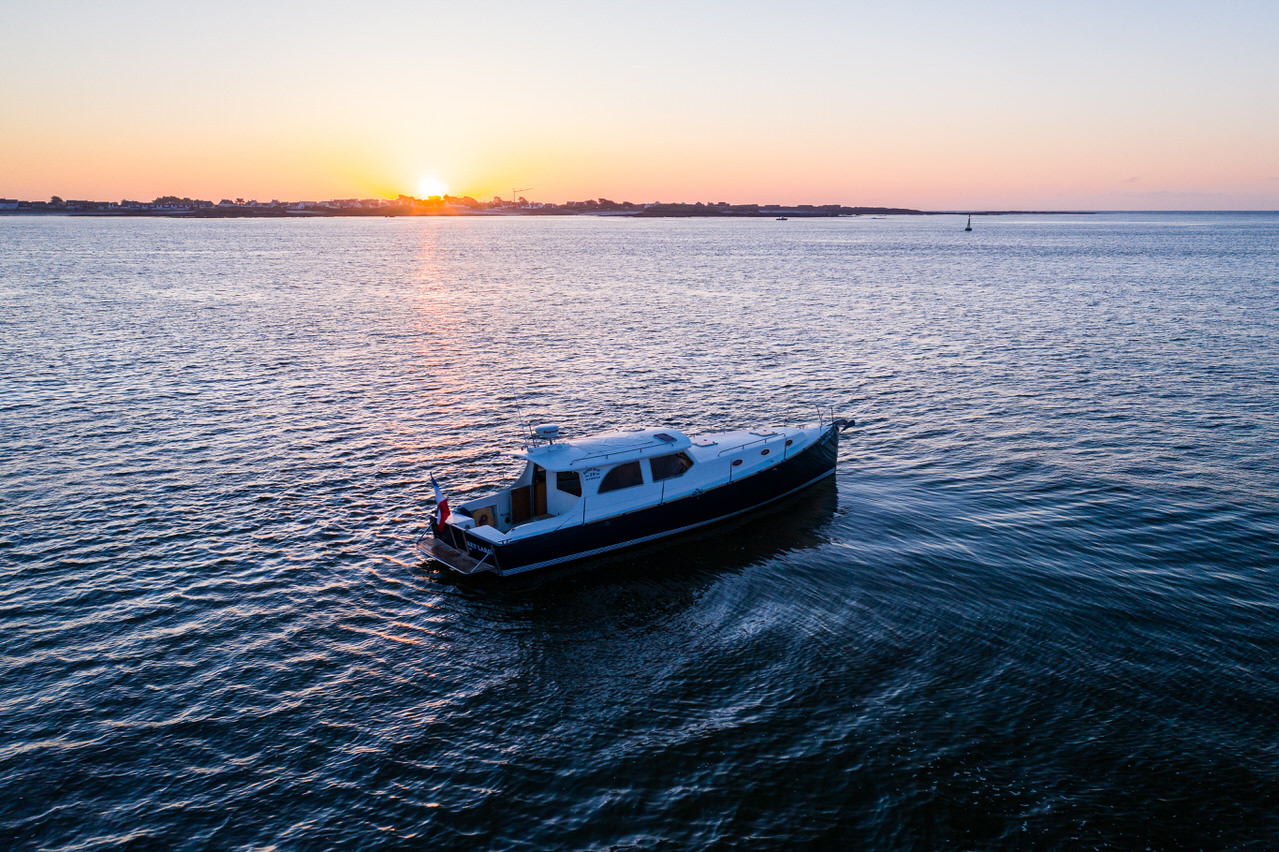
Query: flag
441, 505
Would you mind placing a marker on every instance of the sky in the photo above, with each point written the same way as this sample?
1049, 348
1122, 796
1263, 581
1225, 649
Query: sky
957, 105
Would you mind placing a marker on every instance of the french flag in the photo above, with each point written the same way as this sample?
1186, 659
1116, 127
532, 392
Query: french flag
441, 505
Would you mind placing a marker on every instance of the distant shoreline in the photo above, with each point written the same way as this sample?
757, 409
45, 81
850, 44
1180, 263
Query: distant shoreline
664, 211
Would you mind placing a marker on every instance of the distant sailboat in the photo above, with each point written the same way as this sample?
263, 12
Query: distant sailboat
969, 226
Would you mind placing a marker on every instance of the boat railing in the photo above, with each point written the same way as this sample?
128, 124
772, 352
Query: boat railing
604, 455
763, 439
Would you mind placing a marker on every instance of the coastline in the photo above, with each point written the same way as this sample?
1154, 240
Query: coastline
669, 211
403, 210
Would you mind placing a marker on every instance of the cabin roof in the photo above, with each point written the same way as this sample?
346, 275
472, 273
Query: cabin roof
607, 449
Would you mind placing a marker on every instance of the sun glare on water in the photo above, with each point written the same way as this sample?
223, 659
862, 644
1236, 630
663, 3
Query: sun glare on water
430, 186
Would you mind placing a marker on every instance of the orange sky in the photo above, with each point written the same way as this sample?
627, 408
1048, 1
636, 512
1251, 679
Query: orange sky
978, 105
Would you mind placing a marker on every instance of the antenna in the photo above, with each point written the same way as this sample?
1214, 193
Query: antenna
528, 429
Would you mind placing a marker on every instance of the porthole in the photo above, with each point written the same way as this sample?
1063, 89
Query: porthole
764, 451
736, 462
790, 441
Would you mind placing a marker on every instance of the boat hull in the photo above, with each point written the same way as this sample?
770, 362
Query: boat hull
596, 538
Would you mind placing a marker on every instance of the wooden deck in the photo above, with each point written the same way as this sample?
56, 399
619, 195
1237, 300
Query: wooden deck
455, 559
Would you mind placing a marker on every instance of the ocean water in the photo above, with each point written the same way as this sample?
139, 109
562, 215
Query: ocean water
1037, 608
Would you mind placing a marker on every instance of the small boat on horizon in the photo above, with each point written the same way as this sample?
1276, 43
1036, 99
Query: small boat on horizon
581, 498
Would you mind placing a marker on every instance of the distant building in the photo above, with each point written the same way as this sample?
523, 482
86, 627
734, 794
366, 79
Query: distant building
8, 204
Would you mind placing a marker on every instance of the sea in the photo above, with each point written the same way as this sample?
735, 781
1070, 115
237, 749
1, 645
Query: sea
1037, 607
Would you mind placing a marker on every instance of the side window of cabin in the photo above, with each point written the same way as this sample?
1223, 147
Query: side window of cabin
569, 481
669, 467
622, 476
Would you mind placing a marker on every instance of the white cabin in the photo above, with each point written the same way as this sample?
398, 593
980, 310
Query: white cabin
591, 478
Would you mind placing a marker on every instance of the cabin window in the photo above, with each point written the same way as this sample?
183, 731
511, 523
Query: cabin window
669, 467
623, 476
569, 481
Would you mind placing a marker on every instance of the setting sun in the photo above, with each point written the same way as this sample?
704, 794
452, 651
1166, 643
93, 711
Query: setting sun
430, 186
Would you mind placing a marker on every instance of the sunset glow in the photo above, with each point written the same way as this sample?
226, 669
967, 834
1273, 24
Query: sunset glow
929, 105
431, 187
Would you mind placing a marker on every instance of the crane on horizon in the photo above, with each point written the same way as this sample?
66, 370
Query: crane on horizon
515, 192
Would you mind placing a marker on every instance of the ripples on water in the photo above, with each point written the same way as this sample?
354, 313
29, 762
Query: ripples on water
1036, 609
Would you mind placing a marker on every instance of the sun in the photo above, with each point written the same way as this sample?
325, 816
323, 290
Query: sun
429, 186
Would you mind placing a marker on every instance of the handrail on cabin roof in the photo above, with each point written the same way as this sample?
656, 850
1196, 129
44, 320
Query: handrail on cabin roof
604, 454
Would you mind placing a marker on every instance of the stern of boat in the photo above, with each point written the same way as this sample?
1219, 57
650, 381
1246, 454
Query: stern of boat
453, 554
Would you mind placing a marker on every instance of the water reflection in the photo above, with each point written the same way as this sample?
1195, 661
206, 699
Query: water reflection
1054, 526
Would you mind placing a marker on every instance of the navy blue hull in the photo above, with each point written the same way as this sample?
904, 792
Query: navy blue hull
644, 525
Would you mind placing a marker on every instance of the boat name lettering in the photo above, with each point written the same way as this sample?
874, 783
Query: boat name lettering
478, 548
591, 473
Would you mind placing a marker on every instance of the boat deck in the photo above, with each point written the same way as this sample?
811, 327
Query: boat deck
456, 560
